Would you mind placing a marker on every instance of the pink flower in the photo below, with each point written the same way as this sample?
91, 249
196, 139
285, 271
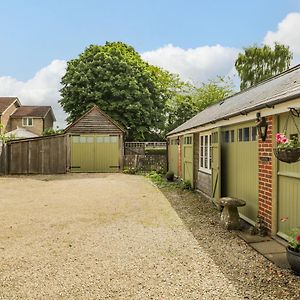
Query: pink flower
298, 238
281, 138
278, 136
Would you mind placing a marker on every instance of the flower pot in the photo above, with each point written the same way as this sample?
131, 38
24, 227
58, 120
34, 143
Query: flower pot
294, 260
287, 155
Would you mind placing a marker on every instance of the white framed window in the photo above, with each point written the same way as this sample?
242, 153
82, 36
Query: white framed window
27, 122
205, 153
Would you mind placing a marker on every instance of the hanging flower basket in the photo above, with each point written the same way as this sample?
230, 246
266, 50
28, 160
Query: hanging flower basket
287, 155
288, 149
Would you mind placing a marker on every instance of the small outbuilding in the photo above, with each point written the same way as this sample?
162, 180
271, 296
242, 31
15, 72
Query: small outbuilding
229, 150
96, 143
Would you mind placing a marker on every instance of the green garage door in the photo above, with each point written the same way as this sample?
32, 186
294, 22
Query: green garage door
240, 167
95, 153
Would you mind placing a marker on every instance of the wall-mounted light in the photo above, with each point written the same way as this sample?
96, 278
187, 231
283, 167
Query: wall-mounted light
262, 126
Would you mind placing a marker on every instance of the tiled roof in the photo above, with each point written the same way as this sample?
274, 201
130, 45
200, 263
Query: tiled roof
278, 89
31, 111
5, 102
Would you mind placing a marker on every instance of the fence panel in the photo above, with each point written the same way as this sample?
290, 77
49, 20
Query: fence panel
44, 155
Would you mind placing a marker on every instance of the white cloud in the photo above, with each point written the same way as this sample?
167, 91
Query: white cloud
287, 33
42, 89
196, 64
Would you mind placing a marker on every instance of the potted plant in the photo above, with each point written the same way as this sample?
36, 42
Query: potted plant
170, 176
293, 250
288, 150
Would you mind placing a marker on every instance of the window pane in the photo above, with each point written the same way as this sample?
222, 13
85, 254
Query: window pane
254, 133
240, 134
29, 120
232, 136
226, 136
246, 134
90, 140
99, 139
75, 139
206, 151
114, 139
82, 139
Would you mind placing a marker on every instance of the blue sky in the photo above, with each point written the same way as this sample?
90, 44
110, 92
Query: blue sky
38, 37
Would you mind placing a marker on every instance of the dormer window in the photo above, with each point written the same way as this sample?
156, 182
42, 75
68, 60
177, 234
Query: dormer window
27, 122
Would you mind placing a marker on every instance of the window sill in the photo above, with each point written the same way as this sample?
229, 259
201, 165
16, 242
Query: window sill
206, 171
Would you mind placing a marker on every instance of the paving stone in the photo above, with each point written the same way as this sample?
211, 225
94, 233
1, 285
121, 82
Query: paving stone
268, 247
250, 238
279, 259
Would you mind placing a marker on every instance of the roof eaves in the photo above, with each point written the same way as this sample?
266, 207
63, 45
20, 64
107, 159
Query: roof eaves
243, 112
16, 100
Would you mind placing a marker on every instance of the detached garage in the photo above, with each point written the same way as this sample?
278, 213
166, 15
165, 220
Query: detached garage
96, 143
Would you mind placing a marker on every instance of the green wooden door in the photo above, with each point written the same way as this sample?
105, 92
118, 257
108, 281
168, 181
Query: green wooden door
173, 156
95, 153
187, 159
240, 167
216, 163
288, 186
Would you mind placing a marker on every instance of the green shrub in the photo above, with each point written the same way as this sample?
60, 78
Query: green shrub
155, 178
155, 151
130, 170
186, 185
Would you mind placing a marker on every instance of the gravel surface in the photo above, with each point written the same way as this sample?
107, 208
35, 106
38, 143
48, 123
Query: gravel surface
115, 236
251, 274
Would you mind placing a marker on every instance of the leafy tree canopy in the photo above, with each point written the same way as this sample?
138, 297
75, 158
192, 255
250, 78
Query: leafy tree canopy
191, 100
128, 89
258, 64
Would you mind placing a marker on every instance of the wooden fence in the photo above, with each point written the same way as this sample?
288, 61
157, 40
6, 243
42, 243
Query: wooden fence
42, 155
51, 155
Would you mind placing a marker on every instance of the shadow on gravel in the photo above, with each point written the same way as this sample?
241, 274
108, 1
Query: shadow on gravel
253, 275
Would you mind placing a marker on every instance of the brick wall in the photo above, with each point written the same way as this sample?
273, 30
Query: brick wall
265, 176
37, 125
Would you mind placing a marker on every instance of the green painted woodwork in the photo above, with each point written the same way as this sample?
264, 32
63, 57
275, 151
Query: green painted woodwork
173, 156
95, 153
216, 163
288, 186
187, 159
240, 166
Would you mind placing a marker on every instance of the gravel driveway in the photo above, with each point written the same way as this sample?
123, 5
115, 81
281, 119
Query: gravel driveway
81, 236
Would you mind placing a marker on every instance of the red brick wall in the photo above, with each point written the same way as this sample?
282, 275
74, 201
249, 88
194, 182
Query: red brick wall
265, 176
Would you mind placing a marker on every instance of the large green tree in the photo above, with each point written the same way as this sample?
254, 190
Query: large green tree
257, 64
191, 100
115, 78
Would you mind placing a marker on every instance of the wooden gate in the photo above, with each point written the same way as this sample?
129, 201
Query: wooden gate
95, 153
288, 186
173, 156
216, 163
240, 167
187, 159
